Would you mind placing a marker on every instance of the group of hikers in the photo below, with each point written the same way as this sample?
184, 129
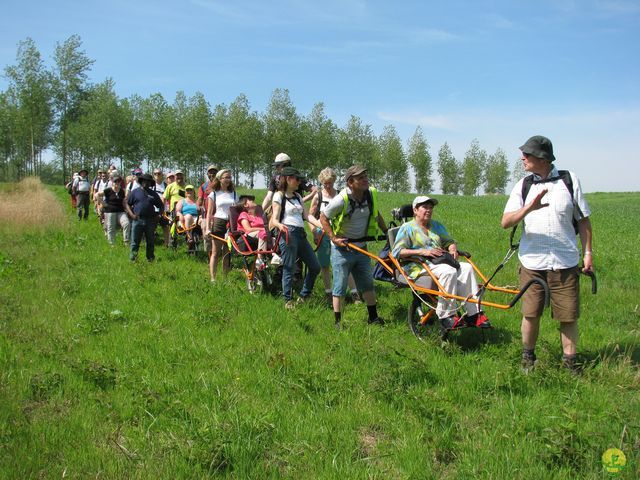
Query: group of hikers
549, 202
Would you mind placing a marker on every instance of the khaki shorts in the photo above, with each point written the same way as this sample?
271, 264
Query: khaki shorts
564, 290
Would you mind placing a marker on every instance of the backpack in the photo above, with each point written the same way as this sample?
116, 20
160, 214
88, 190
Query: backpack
563, 175
297, 195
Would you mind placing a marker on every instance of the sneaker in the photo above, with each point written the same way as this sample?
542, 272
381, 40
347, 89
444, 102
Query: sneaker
301, 300
376, 321
290, 305
528, 361
451, 323
276, 260
260, 264
479, 320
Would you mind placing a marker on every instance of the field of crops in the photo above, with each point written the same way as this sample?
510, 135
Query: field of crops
110, 369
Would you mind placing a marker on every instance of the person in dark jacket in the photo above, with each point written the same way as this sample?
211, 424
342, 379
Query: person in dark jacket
141, 207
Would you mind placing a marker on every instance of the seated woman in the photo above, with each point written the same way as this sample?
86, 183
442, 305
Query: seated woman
187, 211
424, 237
252, 224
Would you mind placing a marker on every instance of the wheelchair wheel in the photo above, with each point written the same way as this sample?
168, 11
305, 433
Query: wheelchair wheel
421, 317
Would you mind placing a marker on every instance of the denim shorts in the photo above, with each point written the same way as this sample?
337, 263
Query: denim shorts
345, 262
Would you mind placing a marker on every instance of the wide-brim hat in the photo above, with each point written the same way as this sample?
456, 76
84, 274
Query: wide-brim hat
145, 177
540, 147
420, 199
354, 171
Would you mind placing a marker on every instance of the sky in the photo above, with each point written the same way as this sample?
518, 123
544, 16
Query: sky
497, 71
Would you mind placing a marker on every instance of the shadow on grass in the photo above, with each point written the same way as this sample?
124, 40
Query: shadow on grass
467, 339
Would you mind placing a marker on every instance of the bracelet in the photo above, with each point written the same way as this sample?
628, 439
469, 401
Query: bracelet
587, 253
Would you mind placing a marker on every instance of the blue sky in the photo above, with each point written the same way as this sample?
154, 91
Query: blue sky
499, 71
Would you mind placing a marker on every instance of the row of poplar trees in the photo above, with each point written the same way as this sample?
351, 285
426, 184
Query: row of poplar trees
58, 110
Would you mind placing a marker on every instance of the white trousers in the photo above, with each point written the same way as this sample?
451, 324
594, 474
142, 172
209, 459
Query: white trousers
457, 282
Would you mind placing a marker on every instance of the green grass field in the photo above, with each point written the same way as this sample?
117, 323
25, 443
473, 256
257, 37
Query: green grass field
114, 370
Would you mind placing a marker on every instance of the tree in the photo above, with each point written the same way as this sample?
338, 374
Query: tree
198, 129
449, 171
93, 135
357, 145
518, 171
320, 136
244, 138
282, 130
496, 172
420, 159
30, 90
69, 83
473, 169
8, 123
393, 162
154, 118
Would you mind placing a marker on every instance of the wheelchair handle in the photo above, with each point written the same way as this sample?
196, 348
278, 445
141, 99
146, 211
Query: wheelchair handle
594, 281
540, 282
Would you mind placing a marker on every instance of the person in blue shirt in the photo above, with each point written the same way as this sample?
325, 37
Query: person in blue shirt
141, 207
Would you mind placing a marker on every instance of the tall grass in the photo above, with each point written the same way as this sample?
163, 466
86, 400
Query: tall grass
29, 204
110, 369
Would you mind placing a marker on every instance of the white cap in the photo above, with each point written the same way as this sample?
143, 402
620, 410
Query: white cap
419, 200
281, 158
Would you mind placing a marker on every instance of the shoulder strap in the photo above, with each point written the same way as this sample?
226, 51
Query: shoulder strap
526, 186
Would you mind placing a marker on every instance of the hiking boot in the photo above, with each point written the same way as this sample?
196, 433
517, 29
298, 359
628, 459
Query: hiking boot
290, 305
376, 321
450, 323
528, 361
571, 364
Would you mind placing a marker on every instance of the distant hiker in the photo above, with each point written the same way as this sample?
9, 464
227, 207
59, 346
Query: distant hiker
141, 207
112, 200
223, 195
81, 189
547, 202
159, 187
203, 193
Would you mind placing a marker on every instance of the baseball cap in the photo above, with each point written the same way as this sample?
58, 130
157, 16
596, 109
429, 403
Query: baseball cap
178, 172
290, 172
353, 171
420, 199
212, 167
189, 187
281, 158
540, 147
